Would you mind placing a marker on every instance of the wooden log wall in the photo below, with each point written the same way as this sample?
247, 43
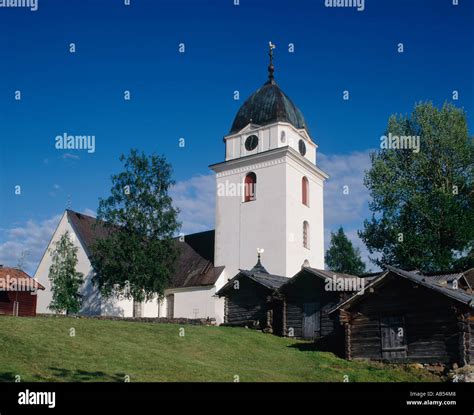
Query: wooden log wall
247, 304
309, 289
26, 303
431, 325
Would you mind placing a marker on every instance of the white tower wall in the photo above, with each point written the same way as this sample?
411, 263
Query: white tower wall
274, 221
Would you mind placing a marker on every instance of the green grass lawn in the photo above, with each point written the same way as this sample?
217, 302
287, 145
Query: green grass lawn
42, 349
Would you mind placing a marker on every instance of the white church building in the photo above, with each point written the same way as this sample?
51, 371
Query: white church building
269, 196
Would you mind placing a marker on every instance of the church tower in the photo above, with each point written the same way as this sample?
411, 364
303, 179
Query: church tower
269, 189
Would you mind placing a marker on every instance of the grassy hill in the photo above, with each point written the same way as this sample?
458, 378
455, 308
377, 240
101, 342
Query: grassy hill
42, 349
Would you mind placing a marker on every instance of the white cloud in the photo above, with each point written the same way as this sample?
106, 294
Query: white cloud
89, 212
346, 210
31, 239
345, 170
70, 156
196, 199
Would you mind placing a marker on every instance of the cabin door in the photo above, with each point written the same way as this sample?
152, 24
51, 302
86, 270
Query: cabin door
392, 330
311, 320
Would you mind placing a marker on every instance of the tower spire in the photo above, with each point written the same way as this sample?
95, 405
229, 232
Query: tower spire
271, 68
258, 266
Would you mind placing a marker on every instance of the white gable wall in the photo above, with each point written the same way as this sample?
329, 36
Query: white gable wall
93, 303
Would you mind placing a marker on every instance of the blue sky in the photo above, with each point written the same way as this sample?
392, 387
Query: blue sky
190, 94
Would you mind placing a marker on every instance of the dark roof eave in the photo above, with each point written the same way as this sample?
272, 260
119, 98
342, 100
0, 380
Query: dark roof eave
421, 279
418, 279
260, 278
318, 273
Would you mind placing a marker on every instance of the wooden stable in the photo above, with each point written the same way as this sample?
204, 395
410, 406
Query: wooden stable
397, 316
407, 317
18, 293
251, 300
307, 299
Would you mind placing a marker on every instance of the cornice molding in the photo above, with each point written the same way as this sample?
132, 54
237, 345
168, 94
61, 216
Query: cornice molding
265, 159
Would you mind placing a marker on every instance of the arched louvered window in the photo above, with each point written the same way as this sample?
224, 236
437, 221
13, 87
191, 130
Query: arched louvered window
250, 187
305, 191
306, 234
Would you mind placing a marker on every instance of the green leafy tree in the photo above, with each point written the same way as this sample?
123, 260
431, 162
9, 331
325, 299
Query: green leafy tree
137, 256
422, 202
65, 281
341, 255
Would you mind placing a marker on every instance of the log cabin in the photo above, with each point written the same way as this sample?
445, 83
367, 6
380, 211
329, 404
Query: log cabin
307, 299
18, 292
252, 300
409, 317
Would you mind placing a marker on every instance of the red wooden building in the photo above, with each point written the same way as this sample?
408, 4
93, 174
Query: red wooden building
18, 292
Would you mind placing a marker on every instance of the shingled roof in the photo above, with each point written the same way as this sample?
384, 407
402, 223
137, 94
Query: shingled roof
324, 275
195, 263
14, 279
89, 229
267, 105
448, 280
424, 280
258, 274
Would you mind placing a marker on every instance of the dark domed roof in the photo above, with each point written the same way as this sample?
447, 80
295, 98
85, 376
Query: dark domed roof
267, 105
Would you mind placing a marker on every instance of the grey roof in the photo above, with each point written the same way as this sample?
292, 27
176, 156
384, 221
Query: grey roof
270, 281
426, 281
258, 274
195, 263
420, 279
328, 274
446, 278
267, 105
321, 273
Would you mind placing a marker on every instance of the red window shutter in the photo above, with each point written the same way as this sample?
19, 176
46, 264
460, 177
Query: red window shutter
250, 185
304, 191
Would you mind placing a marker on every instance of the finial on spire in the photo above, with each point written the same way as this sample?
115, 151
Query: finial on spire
258, 266
271, 68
